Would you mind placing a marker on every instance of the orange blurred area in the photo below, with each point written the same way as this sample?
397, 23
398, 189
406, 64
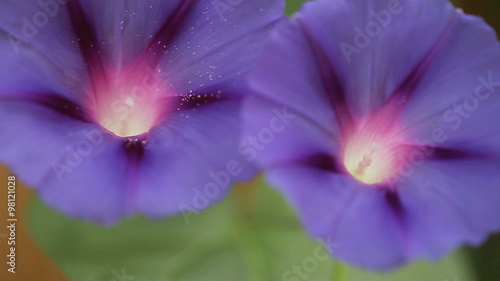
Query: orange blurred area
31, 263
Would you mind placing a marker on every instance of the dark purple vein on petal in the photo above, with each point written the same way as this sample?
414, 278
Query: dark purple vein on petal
53, 102
403, 92
440, 153
387, 115
323, 162
134, 151
318, 161
331, 83
87, 41
192, 101
170, 29
394, 203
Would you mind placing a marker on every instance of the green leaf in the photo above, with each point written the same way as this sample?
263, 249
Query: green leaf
455, 267
250, 236
293, 6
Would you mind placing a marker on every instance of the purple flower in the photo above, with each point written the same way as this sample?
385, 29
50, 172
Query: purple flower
110, 108
394, 151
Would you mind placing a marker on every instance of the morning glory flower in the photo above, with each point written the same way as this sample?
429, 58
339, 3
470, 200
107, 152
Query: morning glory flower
393, 153
110, 108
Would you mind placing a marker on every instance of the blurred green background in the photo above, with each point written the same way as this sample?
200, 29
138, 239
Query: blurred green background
253, 235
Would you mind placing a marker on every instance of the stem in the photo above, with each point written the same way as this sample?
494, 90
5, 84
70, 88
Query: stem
245, 199
339, 271
247, 237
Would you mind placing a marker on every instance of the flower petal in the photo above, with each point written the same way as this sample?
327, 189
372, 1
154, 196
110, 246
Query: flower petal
346, 60
191, 160
123, 29
357, 222
57, 154
367, 43
218, 47
459, 95
102, 198
275, 134
299, 87
127, 30
449, 203
40, 51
